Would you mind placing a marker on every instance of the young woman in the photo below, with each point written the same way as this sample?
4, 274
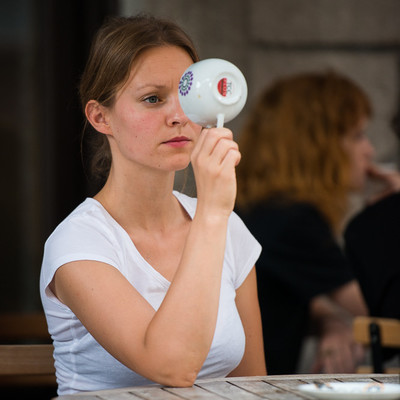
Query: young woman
140, 283
304, 151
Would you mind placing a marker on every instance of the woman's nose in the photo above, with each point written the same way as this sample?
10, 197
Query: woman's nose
176, 116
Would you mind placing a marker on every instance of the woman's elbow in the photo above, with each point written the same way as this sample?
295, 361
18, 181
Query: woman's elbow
180, 379
170, 366
173, 373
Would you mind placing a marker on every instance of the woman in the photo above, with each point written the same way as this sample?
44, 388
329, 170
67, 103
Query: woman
304, 151
134, 286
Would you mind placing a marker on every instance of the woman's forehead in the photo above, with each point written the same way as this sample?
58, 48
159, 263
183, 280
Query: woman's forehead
161, 60
157, 67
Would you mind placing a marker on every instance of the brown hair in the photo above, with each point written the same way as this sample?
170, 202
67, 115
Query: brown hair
115, 48
292, 143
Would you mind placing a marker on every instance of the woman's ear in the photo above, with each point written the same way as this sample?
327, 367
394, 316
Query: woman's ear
96, 114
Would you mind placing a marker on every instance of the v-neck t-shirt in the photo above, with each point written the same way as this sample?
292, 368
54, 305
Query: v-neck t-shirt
90, 233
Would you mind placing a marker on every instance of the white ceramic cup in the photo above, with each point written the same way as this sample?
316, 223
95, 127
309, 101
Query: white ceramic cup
212, 91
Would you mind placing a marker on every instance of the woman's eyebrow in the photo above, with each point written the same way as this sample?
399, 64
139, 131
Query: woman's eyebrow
150, 85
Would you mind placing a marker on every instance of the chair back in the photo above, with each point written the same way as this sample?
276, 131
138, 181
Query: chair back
377, 334
26, 351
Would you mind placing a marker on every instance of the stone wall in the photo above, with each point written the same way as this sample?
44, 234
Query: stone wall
268, 38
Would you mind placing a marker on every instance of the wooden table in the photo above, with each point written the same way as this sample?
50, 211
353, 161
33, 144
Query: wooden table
274, 387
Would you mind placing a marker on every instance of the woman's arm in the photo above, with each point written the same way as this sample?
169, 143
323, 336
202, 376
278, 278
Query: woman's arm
253, 362
333, 317
350, 298
168, 346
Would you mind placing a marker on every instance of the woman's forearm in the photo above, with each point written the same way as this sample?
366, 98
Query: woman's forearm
187, 317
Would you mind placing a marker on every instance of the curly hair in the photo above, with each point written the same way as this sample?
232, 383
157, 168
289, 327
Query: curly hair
292, 143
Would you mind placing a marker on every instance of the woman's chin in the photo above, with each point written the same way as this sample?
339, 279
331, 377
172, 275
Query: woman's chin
179, 165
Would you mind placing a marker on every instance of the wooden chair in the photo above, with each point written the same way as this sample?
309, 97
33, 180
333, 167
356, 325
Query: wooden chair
26, 352
377, 334
27, 364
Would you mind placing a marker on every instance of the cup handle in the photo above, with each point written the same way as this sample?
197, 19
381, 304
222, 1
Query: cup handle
220, 120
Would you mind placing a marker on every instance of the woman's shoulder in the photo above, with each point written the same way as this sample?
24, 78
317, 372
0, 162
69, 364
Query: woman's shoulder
88, 232
381, 212
88, 207
375, 221
83, 222
293, 225
284, 213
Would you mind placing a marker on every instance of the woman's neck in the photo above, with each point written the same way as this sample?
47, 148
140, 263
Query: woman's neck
141, 202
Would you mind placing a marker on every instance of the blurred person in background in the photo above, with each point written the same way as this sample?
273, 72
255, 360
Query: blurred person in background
371, 243
304, 152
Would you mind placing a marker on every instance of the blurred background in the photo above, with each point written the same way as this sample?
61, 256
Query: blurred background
44, 45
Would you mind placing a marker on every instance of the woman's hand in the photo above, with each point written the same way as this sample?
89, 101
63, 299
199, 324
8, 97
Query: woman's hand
214, 159
337, 351
387, 180
333, 318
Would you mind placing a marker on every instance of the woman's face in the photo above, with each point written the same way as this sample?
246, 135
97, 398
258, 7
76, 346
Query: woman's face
360, 152
147, 124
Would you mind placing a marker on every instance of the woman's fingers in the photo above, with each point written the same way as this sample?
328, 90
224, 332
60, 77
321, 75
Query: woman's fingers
212, 149
386, 182
223, 148
214, 159
209, 138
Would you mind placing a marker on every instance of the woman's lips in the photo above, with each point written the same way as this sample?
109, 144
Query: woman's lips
179, 141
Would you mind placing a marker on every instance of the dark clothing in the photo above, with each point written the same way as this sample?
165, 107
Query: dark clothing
372, 241
300, 259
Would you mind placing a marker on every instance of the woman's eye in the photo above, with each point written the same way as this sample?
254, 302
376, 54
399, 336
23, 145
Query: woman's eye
152, 99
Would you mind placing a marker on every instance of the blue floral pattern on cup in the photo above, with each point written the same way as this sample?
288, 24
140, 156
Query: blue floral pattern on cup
186, 83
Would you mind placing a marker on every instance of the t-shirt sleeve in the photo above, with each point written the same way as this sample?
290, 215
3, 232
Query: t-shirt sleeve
78, 239
302, 253
242, 249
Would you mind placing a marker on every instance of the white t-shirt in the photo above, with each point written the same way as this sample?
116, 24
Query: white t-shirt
90, 233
